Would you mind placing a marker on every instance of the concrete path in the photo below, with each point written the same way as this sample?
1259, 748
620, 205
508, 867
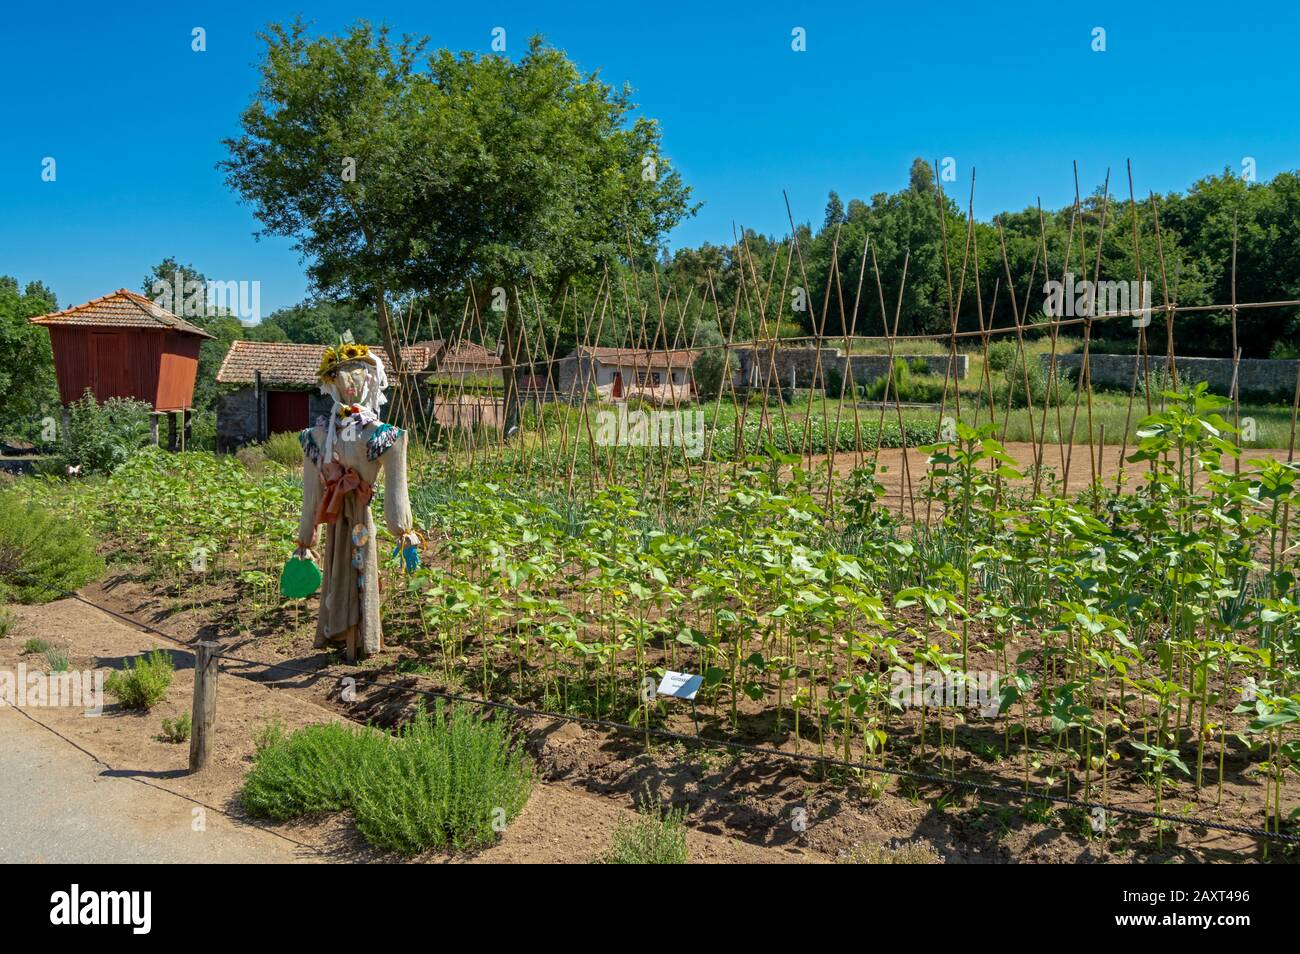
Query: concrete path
58, 805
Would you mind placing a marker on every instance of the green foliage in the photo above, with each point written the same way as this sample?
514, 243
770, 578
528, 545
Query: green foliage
713, 365
176, 730
57, 660
1002, 355
100, 437
43, 556
446, 780
655, 837
144, 681
35, 646
26, 360
905, 384
284, 449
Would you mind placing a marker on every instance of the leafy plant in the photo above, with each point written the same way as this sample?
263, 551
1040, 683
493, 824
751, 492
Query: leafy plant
446, 779
176, 730
143, 682
655, 837
43, 556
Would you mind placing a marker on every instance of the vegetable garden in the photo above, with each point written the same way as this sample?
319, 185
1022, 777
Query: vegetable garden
1142, 643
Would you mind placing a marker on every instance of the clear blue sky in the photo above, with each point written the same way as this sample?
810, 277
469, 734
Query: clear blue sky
134, 118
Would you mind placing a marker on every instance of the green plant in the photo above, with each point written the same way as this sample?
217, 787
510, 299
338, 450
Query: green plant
35, 646
144, 682
446, 779
655, 837
43, 556
7, 619
284, 449
99, 438
176, 730
57, 660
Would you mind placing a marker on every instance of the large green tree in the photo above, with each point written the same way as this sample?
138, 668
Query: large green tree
398, 175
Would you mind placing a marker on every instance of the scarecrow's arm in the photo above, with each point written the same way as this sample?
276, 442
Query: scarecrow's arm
397, 502
312, 489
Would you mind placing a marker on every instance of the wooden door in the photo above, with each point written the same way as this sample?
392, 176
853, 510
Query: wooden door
286, 411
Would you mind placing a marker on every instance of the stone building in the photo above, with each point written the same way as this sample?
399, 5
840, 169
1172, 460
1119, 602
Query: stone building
614, 373
269, 387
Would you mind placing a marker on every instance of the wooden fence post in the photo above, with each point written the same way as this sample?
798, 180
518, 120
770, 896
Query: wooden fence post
203, 722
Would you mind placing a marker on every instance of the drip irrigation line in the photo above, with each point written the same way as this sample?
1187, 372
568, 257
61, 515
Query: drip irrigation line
720, 744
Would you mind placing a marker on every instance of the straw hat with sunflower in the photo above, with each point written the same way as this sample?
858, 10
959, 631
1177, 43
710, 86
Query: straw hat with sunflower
341, 354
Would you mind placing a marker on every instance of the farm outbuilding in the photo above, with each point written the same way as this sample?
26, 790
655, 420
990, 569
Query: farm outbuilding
662, 376
269, 387
122, 345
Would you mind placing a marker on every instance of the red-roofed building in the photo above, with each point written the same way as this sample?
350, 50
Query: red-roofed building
270, 387
123, 345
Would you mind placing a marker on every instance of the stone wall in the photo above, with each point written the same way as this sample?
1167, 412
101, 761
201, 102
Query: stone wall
1256, 376
798, 367
237, 415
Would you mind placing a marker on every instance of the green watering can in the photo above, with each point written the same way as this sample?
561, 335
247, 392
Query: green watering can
299, 579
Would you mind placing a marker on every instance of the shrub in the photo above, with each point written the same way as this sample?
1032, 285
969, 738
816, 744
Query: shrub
444, 780
7, 619
284, 448
176, 730
144, 682
57, 660
42, 556
909, 853
919, 366
1002, 355
655, 837
1015, 376
99, 438
35, 647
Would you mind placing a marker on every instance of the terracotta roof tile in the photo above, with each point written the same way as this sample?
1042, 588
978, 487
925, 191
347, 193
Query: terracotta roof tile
464, 355
120, 309
283, 362
641, 358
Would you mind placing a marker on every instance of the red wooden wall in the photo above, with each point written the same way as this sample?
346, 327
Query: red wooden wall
154, 366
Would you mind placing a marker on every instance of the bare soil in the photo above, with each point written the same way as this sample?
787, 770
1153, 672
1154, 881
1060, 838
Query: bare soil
743, 808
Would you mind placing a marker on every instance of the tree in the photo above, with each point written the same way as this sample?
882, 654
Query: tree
322, 157
465, 170
26, 359
834, 211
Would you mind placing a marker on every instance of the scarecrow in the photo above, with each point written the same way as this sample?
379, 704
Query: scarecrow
342, 456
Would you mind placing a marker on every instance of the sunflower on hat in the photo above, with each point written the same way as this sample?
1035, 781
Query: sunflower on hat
340, 354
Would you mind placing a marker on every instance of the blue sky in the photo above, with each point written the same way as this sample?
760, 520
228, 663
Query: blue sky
134, 117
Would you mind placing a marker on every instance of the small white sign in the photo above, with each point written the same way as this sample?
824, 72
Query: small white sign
680, 684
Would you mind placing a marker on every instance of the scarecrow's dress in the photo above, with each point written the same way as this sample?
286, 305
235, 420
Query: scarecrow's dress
349, 595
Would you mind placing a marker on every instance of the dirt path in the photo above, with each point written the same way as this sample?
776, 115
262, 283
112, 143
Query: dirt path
58, 805
73, 787
1083, 460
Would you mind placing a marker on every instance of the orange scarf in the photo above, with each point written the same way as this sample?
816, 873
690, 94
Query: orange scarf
339, 482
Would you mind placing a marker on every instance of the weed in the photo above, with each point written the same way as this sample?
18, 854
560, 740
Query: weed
144, 682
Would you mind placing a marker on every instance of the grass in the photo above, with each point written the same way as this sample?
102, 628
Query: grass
57, 660
35, 647
144, 682
654, 837
909, 853
446, 780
